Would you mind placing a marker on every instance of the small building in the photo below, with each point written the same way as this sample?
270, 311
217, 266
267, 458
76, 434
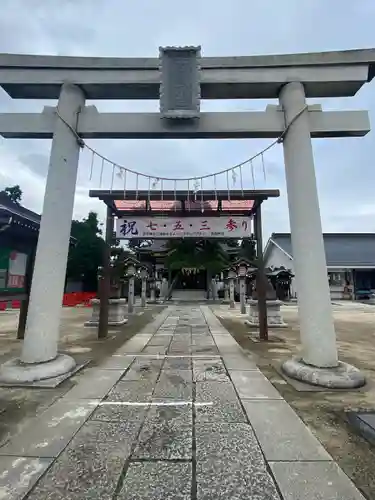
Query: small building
19, 231
350, 262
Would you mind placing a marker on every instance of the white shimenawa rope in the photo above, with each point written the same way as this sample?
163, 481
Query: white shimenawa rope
197, 180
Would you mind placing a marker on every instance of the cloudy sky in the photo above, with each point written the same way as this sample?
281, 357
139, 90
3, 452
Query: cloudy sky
120, 28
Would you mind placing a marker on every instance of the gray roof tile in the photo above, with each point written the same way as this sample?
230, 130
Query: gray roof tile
342, 249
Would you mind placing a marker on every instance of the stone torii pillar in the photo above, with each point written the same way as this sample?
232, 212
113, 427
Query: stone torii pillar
319, 363
39, 358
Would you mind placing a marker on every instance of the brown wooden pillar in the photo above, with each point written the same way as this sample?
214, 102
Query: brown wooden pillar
260, 276
105, 280
25, 303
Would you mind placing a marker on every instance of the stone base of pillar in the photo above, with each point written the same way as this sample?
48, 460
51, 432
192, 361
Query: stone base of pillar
116, 312
343, 376
16, 372
274, 318
232, 305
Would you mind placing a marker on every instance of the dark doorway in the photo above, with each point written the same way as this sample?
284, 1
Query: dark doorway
190, 279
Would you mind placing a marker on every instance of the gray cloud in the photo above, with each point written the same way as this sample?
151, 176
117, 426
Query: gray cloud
116, 28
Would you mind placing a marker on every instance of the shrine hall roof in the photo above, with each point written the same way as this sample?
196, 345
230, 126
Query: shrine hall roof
239, 202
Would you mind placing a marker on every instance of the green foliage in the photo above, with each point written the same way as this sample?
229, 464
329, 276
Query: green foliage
200, 254
87, 254
248, 250
14, 193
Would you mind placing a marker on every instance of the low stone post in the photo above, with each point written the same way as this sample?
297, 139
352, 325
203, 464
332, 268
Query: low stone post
144, 275
164, 289
243, 294
153, 290
226, 290
130, 266
232, 276
214, 290
242, 267
131, 295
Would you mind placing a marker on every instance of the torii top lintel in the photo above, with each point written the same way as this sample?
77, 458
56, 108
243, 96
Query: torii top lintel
324, 74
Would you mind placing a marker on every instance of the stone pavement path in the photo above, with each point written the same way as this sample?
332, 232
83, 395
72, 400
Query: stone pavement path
179, 412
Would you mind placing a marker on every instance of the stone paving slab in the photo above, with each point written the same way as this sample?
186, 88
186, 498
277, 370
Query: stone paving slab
157, 481
227, 441
117, 362
222, 480
223, 403
155, 349
184, 363
230, 464
91, 465
144, 369
239, 362
19, 474
160, 340
135, 344
166, 434
151, 361
253, 385
176, 384
281, 433
313, 481
208, 350
126, 401
49, 433
209, 369
94, 384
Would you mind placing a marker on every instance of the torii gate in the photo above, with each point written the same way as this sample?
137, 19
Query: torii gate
180, 81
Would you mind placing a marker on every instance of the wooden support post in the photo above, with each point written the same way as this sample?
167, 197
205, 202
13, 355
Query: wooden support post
105, 281
260, 277
25, 303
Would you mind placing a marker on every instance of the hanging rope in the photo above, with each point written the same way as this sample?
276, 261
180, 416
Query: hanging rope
104, 159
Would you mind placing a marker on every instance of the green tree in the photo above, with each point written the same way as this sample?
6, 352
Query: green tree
248, 250
87, 253
14, 193
201, 254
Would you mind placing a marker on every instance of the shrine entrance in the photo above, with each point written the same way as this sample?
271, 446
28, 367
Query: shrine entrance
194, 215
190, 278
179, 79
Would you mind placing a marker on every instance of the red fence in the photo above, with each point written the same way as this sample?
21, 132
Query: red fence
69, 300
78, 299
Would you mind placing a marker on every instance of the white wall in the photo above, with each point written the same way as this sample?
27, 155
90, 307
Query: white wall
277, 258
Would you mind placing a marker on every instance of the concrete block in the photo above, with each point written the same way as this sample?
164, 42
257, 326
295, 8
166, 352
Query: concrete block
281, 433
239, 362
253, 385
313, 481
